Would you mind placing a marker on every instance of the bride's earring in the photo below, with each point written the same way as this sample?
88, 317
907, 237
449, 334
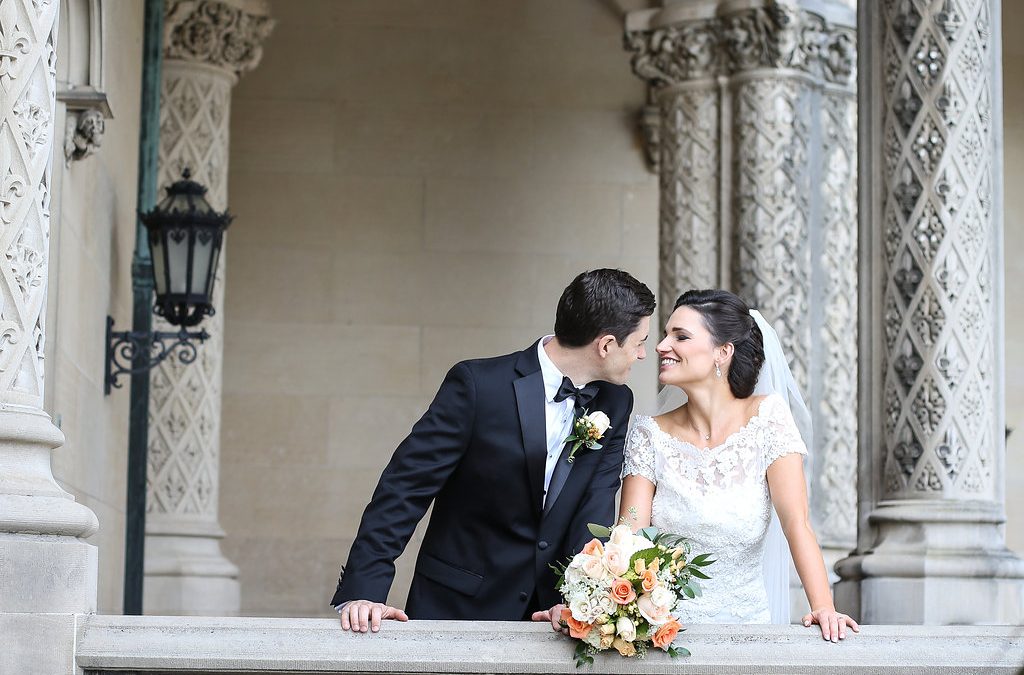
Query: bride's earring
718, 371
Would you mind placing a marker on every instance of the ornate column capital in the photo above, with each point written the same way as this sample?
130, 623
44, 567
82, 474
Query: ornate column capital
770, 36
219, 33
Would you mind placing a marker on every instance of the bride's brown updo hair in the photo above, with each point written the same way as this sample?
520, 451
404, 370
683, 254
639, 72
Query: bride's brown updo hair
728, 319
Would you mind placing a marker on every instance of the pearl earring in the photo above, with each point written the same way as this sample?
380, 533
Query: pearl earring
718, 371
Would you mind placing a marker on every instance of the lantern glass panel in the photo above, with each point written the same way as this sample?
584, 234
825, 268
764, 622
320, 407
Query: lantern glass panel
214, 259
177, 259
201, 257
156, 249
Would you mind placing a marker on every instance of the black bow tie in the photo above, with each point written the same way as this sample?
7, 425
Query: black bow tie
583, 395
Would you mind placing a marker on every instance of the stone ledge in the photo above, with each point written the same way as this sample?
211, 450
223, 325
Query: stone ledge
255, 645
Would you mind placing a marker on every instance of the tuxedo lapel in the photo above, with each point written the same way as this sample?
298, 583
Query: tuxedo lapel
563, 472
530, 402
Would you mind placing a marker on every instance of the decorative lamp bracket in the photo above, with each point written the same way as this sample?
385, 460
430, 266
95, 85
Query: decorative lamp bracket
124, 347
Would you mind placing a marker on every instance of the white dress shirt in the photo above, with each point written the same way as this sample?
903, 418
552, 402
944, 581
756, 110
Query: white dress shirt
558, 416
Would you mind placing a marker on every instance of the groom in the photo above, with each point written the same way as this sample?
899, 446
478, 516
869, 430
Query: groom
490, 453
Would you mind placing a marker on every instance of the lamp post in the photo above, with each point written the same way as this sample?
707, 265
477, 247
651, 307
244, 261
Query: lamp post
185, 238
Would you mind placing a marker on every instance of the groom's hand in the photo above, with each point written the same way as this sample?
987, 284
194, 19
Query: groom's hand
362, 615
554, 615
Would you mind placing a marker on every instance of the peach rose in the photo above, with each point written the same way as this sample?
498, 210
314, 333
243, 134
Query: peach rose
577, 629
622, 591
665, 634
648, 580
594, 547
594, 569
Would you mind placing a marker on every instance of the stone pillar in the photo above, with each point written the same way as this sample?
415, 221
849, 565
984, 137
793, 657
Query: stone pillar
931, 545
208, 44
756, 161
45, 566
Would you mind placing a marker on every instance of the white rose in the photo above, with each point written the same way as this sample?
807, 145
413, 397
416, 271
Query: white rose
594, 568
600, 421
580, 560
625, 628
656, 616
663, 598
615, 559
580, 610
573, 575
622, 536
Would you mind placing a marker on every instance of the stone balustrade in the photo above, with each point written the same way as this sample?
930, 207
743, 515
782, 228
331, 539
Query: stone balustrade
117, 644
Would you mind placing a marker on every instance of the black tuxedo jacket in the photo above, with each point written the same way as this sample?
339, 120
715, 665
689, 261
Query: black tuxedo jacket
478, 454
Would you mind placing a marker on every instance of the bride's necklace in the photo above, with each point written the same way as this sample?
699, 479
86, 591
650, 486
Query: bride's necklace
705, 436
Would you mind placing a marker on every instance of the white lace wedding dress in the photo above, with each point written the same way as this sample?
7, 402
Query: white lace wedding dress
718, 499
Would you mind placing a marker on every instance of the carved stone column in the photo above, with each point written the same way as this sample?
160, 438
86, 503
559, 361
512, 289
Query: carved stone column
208, 44
757, 153
45, 567
931, 547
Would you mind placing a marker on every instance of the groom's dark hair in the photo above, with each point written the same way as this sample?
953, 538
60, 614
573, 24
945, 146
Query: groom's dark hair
601, 302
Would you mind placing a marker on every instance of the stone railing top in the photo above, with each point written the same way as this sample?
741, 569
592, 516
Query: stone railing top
257, 645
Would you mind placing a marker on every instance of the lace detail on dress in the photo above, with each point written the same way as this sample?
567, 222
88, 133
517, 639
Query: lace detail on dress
639, 456
782, 436
718, 498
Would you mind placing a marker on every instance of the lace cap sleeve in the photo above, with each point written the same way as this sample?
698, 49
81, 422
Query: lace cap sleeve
782, 437
639, 454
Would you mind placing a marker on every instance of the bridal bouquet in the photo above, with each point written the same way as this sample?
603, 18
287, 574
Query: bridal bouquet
624, 594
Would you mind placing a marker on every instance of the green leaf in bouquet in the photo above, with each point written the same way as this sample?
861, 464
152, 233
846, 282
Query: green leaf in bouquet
647, 555
584, 654
649, 533
697, 573
669, 540
695, 587
677, 651
599, 531
702, 560
688, 592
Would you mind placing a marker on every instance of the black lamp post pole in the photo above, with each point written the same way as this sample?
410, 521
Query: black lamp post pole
142, 309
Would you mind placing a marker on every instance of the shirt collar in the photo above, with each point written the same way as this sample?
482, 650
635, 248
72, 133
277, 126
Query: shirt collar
552, 375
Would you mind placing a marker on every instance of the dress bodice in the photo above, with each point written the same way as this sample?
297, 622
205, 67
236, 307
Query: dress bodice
718, 498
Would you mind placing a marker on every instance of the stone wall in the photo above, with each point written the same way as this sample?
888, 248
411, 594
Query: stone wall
92, 235
414, 185
1013, 256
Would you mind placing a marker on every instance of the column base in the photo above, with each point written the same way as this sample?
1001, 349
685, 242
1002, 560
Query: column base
934, 563
933, 601
51, 574
189, 576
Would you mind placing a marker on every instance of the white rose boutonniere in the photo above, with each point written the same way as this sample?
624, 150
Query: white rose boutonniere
587, 430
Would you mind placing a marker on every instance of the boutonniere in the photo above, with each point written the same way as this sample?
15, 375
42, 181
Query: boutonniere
587, 430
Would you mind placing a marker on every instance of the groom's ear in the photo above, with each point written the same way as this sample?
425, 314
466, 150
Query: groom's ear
604, 345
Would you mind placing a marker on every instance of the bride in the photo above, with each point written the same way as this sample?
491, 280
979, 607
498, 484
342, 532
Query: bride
712, 468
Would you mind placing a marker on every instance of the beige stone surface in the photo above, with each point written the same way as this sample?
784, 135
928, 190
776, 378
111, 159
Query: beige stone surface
91, 242
1013, 253
236, 645
415, 184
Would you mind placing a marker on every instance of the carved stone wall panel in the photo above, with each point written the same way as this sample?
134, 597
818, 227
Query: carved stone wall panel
689, 207
27, 99
772, 124
939, 279
835, 413
184, 442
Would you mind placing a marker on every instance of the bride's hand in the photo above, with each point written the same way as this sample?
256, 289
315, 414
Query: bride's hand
833, 624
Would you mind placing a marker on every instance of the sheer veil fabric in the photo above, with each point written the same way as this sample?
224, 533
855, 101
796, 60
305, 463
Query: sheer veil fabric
775, 378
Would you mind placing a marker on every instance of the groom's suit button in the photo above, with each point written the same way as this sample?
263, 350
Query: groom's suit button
542, 545
523, 596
